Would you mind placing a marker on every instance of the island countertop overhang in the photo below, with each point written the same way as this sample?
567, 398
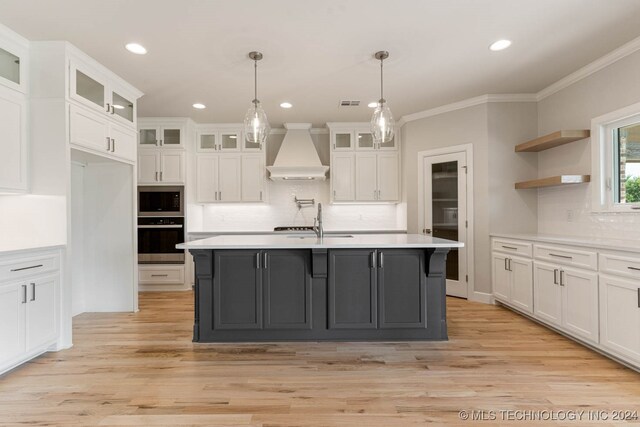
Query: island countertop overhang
290, 241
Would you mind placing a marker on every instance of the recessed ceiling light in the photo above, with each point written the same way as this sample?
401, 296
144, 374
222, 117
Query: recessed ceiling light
372, 104
136, 48
199, 106
118, 107
286, 105
500, 45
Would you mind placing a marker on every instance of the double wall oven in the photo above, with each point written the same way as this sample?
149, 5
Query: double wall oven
160, 224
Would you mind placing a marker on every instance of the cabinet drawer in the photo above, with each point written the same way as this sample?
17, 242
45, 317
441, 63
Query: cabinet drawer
514, 247
620, 265
16, 268
566, 256
161, 275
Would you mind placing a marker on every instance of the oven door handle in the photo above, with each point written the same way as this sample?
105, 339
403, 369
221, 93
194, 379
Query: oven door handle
160, 226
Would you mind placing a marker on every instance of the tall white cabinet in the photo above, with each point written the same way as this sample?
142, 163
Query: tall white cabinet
362, 171
161, 151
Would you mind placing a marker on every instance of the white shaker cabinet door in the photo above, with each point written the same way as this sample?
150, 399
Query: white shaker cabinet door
366, 177
522, 284
388, 177
206, 178
89, 129
172, 167
148, 167
123, 142
501, 277
252, 178
620, 316
12, 321
41, 311
580, 303
547, 293
229, 177
342, 177
13, 141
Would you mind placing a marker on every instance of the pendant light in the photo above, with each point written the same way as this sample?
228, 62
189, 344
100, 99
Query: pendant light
382, 123
256, 125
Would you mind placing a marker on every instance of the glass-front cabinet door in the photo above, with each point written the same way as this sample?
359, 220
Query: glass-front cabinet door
207, 141
342, 140
10, 69
88, 88
389, 145
171, 137
122, 107
229, 141
149, 137
364, 140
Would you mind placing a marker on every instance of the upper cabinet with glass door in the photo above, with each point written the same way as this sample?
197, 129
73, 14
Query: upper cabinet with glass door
13, 64
357, 136
364, 141
223, 140
161, 133
97, 91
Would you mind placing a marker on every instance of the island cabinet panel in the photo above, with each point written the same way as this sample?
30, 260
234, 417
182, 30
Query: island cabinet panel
237, 290
352, 289
401, 289
287, 289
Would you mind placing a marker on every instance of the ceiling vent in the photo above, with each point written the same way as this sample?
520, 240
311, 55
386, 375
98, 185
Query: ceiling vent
349, 103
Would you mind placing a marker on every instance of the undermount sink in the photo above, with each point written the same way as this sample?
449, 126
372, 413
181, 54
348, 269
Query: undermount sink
326, 236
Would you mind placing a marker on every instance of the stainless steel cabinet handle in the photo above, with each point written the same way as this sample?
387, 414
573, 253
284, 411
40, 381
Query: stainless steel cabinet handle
555, 276
562, 278
159, 275
113, 109
258, 260
156, 175
260, 195
113, 145
373, 259
26, 268
634, 268
33, 291
108, 144
108, 107
505, 264
265, 263
561, 256
215, 196
380, 260
220, 195
24, 294
161, 143
510, 247
638, 297
160, 175
510, 264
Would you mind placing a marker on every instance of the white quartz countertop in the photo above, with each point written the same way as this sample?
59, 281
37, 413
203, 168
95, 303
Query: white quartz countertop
289, 241
586, 242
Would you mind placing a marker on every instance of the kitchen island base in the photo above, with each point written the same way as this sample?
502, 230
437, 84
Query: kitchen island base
293, 294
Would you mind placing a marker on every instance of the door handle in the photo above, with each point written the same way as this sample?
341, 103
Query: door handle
638, 297
33, 291
160, 175
426, 230
380, 260
562, 278
258, 260
561, 256
113, 145
24, 294
26, 268
634, 268
510, 247
260, 195
159, 275
505, 264
373, 260
220, 195
510, 264
108, 143
108, 107
265, 263
113, 109
555, 276
156, 175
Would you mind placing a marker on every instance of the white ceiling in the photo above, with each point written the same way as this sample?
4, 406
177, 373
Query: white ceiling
317, 53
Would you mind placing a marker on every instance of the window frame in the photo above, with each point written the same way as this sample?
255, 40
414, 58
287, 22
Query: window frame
604, 160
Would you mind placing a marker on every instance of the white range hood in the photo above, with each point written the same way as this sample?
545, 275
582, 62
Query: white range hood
298, 158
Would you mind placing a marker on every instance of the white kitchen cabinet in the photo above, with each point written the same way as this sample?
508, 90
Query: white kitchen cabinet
580, 303
513, 281
12, 321
366, 177
211, 140
160, 167
123, 142
207, 178
14, 62
364, 140
547, 292
620, 316
388, 177
253, 178
41, 311
29, 301
229, 178
13, 141
342, 140
154, 134
343, 177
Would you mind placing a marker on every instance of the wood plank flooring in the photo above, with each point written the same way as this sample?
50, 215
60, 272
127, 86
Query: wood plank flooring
143, 370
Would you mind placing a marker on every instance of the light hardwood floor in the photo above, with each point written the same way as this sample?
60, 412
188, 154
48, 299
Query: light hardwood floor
142, 369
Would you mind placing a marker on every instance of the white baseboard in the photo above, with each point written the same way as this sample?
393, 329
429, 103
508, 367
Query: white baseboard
482, 297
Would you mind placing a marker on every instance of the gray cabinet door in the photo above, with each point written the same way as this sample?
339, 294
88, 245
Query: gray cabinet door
402, 288
287, 289
237, 290
352, 289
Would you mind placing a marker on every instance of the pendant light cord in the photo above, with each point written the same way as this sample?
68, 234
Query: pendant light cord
255, 82
381, 82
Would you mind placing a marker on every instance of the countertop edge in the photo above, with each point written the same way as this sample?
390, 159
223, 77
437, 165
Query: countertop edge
31, 249
599, 243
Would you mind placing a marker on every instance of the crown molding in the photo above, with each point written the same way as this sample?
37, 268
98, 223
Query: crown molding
470, 102
595, 66
312, 131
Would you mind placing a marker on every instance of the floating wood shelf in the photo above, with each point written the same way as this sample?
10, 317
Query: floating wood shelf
553, 181
554, 139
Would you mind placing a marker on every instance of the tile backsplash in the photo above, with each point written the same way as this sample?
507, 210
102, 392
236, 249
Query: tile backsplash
281, 210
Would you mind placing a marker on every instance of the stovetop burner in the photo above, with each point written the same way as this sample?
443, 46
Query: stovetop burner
294, 228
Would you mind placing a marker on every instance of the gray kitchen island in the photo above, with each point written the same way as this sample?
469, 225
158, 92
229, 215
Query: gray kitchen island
340, 287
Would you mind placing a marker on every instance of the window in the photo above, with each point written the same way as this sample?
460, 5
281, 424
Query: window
616, 160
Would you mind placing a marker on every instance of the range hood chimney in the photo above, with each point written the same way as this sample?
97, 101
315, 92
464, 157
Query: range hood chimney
298, 158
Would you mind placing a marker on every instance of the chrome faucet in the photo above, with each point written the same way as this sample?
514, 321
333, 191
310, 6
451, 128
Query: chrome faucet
317, 223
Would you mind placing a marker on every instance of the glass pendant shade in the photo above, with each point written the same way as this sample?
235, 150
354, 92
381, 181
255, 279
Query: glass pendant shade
382, 124
256, 125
